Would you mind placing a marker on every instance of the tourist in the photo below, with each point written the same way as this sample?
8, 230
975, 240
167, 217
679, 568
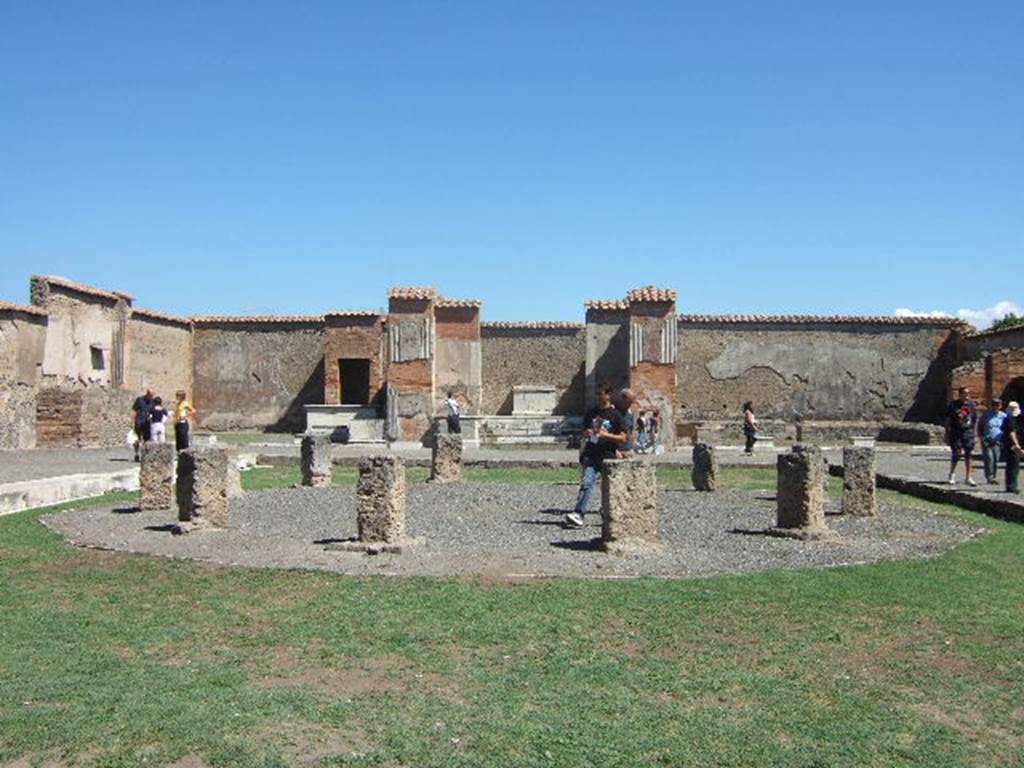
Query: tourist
157, 418
653, 430
623, 403
1013, 439
454, 423
750, 429
141, 412
961, 423
604, 434
990, 428
183, 414
641, 432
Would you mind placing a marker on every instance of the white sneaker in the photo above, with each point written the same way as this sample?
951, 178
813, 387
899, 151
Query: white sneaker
970, 482
952, 480
574, 520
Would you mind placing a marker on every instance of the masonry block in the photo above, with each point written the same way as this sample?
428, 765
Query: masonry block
446, 459
316, 461
629, 508
800, 492
859, 482
704, 474
156, 477
202, 487
380, 499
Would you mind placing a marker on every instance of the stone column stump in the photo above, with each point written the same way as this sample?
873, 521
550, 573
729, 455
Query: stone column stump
234, 474
380, 500
446, 459
704, 474
859, 482
800, 494
316, 461
202, 488
156, 477
629, 508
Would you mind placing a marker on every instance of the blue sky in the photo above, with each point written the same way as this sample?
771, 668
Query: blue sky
760, 157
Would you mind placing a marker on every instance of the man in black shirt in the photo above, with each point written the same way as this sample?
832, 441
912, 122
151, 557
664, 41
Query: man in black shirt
961, 423
1012, 427
142, 411
604, 432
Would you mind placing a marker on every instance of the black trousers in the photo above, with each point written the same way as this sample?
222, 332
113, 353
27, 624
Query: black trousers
180, 435
751, 439
1012, 471
454, 425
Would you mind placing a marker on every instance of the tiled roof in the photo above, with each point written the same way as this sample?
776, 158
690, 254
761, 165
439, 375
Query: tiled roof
63, 282
997, 332
544, 324
412, 293
941, 322
607, 304
454, 303
155, 315
353, 313
650, 293
28, 309
244, 319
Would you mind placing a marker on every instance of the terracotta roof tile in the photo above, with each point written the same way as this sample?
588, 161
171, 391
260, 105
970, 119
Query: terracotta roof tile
454, 303
533, 324
941, 322
244, 319
28, 309
155, 315
650, 293
353, 313
412, 293
63, 282
606, 304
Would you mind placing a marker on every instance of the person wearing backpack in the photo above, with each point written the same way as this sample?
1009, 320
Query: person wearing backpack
961, 423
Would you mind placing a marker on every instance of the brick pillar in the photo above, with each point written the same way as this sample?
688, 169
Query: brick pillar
799, 496
705, 467
652, 355
380, 500
859, 482
410, 368
446, 459
202, 487
457, 358
316, 461
156, 477
629, 507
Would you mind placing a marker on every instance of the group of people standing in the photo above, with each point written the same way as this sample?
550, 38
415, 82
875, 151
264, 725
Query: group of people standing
1001, 434
149, 420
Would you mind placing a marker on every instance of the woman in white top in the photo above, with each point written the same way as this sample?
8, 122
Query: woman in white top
454, 425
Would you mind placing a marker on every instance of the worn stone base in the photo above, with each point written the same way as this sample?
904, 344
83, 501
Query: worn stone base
371, 547
185, 527
803, 534
631, 548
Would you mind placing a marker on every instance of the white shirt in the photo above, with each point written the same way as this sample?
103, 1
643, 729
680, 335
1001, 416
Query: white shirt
452, 406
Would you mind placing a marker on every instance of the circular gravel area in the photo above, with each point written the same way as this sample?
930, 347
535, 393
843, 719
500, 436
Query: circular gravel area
513, 531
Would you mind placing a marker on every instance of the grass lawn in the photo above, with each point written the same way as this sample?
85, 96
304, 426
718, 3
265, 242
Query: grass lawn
121, 660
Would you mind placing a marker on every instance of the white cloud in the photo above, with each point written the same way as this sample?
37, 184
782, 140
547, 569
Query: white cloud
979, 318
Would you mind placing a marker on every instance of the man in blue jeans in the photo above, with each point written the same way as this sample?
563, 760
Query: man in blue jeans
604, 432
990, 427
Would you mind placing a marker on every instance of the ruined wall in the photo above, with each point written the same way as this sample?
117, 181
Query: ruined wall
159, 355
22, 343
607, 347
457, 357
353, 335
257, 373
532, 353
814, 370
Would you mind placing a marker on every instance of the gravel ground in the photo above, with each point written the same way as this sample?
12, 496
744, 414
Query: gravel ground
37, 464
513, 531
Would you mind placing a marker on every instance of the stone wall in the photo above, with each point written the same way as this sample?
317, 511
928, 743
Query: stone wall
159, 355
257, 374
22, 341
532, 353
814, 370
457, 358
607, 348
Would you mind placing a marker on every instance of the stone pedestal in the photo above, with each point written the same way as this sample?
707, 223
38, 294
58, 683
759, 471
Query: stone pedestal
380, 500
446, 459
156, 477
202, 487
234, 472
629, 509
704, 474
800, 495
859, 482
534, 399
316, 461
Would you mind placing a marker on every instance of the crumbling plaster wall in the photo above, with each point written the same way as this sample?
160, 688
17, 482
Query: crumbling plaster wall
257, 375
159, 356
823, 371
22, 343
457, 357
511, 356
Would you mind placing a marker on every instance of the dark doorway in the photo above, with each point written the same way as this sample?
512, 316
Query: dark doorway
1014, 390
354, 381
